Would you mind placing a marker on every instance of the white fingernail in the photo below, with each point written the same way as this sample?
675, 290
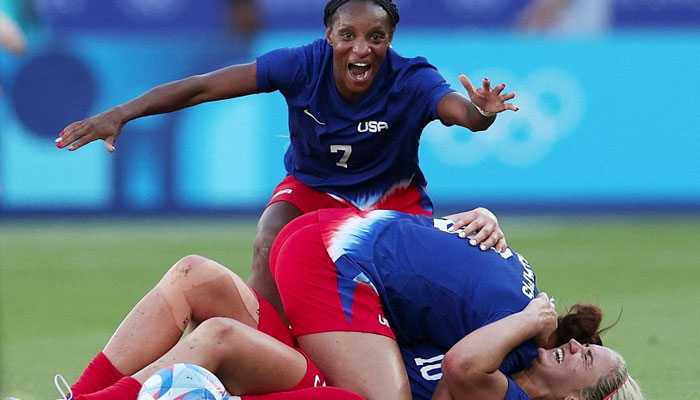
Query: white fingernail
483, 247
472, 242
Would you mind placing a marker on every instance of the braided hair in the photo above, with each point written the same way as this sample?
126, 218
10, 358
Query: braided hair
388, 5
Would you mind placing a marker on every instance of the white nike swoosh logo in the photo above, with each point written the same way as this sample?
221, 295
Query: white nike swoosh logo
307, 112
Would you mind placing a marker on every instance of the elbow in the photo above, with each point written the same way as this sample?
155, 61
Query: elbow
459, 367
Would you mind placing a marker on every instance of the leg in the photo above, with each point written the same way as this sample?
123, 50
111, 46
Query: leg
365, 363
195, 288
356, 350
273, 219
246, 360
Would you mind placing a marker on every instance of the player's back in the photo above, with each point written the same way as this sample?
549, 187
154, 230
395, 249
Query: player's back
433, 284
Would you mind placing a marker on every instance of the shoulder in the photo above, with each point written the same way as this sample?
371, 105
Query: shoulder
414, 72
317, 49
399, 63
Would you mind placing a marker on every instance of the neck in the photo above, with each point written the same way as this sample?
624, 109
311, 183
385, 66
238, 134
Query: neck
535, 389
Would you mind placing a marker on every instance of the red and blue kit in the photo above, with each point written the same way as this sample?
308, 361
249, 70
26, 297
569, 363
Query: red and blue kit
403, 276
361, 151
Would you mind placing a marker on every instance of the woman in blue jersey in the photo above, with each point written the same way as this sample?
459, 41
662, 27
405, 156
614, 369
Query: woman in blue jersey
358, 287
357, 109
239, 336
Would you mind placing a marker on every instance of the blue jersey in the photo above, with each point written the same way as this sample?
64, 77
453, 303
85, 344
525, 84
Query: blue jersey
435, 287
357, 151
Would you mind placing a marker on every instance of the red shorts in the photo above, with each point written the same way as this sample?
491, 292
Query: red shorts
308, 283
411, 199
271, 323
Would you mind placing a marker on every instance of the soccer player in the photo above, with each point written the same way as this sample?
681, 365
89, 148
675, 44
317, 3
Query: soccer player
357, 288
356, 107
227, 314
238, 336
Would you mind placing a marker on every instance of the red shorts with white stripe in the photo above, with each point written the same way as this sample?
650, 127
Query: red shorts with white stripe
411, 199
308, 283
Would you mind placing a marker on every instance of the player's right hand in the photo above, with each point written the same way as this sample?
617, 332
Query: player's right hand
105, 126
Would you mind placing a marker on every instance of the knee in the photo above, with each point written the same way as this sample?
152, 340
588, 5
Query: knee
184, 266
263, 242
274, 218
265, 236
218, 330
192, 268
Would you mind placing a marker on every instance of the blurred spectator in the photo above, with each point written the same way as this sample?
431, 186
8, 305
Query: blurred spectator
567, 16
243, 18
11, 36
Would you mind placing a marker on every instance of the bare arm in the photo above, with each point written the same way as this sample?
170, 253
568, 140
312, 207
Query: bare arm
234, 81
470, 367
456, 109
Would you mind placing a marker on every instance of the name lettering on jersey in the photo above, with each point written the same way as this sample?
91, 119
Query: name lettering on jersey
430, 368
528, 282
372, 126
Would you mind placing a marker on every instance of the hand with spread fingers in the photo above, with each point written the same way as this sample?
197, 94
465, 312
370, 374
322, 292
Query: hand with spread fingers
489, 101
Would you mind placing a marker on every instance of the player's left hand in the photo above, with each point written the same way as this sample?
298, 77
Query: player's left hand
483, 225
486, 98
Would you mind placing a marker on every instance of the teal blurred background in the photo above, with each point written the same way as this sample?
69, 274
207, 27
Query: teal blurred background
609, 117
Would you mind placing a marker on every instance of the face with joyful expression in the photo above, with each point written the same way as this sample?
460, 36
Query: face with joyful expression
572, 366
360, 35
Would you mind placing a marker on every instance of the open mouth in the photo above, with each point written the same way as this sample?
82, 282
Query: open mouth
559, 355
359, 71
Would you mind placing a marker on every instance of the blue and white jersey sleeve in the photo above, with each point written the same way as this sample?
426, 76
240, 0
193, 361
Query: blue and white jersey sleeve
287, 69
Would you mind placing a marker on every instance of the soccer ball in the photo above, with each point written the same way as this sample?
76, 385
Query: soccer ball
183, 382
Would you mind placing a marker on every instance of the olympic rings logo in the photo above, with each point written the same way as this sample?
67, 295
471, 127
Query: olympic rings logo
552, 105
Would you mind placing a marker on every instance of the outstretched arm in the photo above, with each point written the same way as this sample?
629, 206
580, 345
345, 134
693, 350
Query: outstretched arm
470, 367
479, 111
225, 83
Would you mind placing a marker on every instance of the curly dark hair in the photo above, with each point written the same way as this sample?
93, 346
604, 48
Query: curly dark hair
333, 5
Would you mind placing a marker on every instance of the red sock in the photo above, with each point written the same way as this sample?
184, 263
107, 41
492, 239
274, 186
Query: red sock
317, 393
99, 374
127, 388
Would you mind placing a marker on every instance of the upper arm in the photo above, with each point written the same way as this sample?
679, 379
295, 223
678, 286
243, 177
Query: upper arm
229, 82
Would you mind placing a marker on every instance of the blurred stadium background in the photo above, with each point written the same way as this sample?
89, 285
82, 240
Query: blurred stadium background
600, 169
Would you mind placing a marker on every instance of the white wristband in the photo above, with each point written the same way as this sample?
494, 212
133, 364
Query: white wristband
487, 114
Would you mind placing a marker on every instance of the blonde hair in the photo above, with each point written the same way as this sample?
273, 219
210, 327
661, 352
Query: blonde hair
616, 385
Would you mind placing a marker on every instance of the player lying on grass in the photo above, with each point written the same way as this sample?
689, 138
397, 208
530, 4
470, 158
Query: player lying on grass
357, 109
378, 296
229, 317
236, 334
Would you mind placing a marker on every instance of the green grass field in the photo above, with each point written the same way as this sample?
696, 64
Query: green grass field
65, 285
